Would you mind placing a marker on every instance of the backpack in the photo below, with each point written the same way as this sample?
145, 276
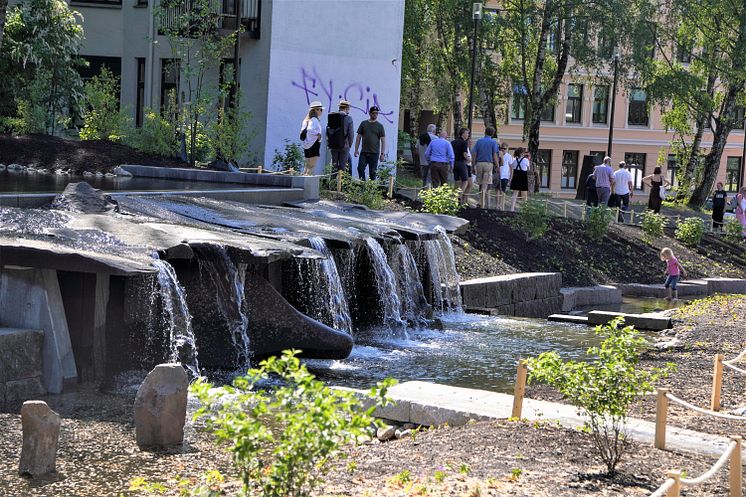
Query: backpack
425, 139
335, 131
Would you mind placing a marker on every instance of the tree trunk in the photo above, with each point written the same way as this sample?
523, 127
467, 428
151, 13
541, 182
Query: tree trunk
457, 109
3, 14
691, 163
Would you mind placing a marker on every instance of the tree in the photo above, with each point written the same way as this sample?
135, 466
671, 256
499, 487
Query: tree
3, 14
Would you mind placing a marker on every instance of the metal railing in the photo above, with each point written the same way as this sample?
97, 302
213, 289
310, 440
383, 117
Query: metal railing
224, 11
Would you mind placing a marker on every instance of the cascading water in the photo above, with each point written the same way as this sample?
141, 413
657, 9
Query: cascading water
230, 280
386, 283
335, 295
177, 318
443, 273
414, 306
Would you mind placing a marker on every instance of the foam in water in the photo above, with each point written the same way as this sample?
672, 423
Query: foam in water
414, 306
386, 283
177, 318
335, 295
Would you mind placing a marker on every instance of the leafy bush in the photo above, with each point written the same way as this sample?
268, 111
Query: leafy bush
604, 388
229, 135
283, 440
652, 225
30, 118
441, 200
366, 192
733, 230
690, 231
599, 219
157, 135
102, 119
532, 219
291, 157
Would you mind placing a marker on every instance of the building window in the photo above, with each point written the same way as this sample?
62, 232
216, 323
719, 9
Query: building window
605, 46
601, 105
636, 166
733, 174
574, 106
543, 163
569, 169
638, 107
169, 82
518, 107
684, 54
547, 115
738, 120
672, 166
140, 91
95, 64
97, 2
598, 156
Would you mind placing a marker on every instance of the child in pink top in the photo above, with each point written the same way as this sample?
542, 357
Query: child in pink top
674, 271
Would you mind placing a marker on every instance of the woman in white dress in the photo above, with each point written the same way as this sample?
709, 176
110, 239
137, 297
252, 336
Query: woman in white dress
310, 135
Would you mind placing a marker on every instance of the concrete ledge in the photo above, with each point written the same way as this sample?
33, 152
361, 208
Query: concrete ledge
650, 321
574, 297
685, 288
565, 318
726, 285
523, 294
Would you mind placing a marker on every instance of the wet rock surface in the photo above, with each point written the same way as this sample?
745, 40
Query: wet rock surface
41, 432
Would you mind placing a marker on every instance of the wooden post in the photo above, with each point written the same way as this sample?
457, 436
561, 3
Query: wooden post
520, 389
565, 209
484, 199
661, 414
675, 490
618, 213
735, 471
717, 383
391, 187
339, 181
259, 169
632, 216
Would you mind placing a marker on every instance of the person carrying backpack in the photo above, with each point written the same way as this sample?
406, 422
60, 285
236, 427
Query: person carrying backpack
339, 133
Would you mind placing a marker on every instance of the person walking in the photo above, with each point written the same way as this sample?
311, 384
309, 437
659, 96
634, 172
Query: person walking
486, 154
591, 196
441, 157
506, 164
339, 133
741, 208
674, 271
310, 135
469, 168
604, 181
461, 175
655, 181
422, 142
373, 137
719, 201
519, 176
623, 189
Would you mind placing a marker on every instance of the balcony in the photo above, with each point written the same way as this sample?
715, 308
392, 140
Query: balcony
225, 12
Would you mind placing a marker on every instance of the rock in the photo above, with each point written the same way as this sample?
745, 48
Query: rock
386, 433
221, 165
409, 426
400, 433
82, 197
160, 407
739, 411
670, 344
436, 324
41, 433
120, 171
20, 353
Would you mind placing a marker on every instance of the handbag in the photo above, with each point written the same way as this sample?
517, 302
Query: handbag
662, 192
304, 133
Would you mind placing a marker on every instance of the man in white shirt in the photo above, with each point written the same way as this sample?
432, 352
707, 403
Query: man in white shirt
623, 188
503, 174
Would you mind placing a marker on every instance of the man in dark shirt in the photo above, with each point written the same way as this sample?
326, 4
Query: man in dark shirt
373, 137
719, 199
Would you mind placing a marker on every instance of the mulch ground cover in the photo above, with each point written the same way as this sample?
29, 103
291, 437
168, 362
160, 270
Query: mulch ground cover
49, 152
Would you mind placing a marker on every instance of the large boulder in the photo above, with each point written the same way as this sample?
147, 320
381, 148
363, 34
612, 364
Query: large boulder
41, 433
160, 407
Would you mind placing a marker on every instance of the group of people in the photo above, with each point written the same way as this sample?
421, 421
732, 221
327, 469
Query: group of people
339, 136
486, 163
720, 202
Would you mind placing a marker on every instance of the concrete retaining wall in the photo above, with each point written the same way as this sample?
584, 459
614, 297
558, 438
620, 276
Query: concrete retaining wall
20, 366
688, 288
525, 294
573, 297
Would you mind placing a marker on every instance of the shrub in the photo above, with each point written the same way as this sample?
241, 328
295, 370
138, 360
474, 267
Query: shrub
733, 230
604, 388
290, 158
283, 440
690, 231
366, 192
102, 119
229, 134
532, 219
599, 219
157, 135
30, 119
441, 200
652, 225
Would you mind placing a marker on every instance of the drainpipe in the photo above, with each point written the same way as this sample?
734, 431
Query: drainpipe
151, 55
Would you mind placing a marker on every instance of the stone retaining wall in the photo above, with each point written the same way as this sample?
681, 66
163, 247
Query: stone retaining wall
20, 366
688, 288
574, 297
534, 295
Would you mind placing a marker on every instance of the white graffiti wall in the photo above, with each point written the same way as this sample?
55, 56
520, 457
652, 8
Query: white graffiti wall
329, 50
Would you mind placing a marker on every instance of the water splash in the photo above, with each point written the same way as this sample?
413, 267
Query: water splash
176, 317
443, 274
335, 295
386, 283
414, 306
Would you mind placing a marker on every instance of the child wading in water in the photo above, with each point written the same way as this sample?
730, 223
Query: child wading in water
674, 271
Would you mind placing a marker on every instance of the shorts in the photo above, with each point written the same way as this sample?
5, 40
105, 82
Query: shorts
314, 151
671, 281
484, 173
460, 171
504, 184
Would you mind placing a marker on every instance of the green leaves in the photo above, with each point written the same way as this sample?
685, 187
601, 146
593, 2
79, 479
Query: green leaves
532, 219
652, 225
599, 219
690, 231
441, 200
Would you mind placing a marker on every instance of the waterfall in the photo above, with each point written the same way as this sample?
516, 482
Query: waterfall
177, 318
386, 283
230, 280
414, 306
443, 273
335, 296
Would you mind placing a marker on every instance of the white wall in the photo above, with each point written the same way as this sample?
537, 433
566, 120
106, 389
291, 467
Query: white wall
331, 49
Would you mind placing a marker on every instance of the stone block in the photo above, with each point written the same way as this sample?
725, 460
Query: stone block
524, 289
727, 285
548, 285
25, 389
649, 321
41, 434
160, 407
2, 395
539, 308
568, 299
505, 310
435, 415
496, 291
639, 290
20, 354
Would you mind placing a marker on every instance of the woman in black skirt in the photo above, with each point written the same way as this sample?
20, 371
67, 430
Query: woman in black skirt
519, 175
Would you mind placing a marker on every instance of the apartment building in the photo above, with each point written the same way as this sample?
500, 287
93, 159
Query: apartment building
291, 52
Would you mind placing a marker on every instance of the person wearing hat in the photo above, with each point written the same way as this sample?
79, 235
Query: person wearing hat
310, 136
373, 137
339, 133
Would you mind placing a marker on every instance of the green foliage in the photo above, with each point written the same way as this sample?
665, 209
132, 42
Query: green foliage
690, 231
283, 440
30, 119
290, 158
439, 475
404, 140
604, 386
441, 200
229, 134
599, 219
733, 231
652, 225
532, 219
102, 119
157, 135
367, 193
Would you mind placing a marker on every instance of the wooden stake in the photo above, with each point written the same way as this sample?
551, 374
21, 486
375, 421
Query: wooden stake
259, 169
484, 199
675, 490
618, 212
661, 414
520, 389
391, 187
735, 471
339, 181
565, 210
717, 383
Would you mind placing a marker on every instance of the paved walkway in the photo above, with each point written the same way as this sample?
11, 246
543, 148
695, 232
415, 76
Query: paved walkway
430, 404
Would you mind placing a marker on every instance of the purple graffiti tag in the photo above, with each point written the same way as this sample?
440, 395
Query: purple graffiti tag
306, 80
386, 115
